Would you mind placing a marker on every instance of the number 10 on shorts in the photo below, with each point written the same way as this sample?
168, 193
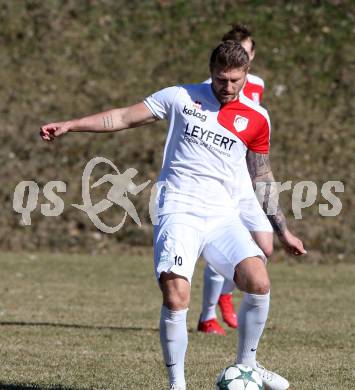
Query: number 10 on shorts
178, 260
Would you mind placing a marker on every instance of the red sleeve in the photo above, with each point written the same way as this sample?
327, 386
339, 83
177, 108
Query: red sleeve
260, 143
249, 123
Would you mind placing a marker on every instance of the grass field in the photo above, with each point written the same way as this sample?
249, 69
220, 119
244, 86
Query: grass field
91, 322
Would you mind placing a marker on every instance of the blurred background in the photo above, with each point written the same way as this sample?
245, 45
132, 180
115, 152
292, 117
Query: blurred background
66, 59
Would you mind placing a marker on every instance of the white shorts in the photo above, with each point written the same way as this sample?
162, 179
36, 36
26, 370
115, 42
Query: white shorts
253, 218
179, 239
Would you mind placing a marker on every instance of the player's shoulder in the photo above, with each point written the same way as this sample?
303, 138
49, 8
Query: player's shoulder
197, 87
254, 79
255, 108
182, 93
194, 91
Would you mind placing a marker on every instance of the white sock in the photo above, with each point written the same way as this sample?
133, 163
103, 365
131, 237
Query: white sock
252, 316
212, 287
228, 287
173, 339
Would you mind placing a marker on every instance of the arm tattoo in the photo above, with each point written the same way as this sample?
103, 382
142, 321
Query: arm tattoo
258, 164
272, 208
108, 121
266, 189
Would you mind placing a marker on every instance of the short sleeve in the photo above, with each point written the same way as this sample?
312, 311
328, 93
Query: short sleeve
160, 103
261, 142
249, 122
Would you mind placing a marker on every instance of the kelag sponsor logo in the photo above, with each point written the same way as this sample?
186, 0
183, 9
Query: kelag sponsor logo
195, 113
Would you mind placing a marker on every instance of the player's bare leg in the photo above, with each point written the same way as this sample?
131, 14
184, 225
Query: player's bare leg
173, 329
252, 278
217, 289
264, 241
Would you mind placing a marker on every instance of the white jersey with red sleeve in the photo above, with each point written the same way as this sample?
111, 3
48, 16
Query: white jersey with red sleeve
205, 149
254, 88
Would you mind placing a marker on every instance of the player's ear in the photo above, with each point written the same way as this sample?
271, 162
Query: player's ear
252, 55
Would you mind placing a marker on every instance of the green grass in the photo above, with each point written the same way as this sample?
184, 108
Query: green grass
91, 322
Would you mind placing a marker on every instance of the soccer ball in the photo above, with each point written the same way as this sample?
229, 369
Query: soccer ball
239, 377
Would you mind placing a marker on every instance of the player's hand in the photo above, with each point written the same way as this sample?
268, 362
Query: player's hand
53, 130
292, 244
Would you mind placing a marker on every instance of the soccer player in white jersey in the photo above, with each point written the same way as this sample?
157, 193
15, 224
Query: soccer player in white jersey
211, 127
216, 288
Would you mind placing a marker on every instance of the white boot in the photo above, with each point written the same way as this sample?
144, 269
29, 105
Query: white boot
271, 380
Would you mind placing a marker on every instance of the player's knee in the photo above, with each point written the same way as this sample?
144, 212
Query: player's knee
176, 291
258, 285
251, 276
176, 301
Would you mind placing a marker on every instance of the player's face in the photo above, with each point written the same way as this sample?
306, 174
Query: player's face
248, 47
227, 84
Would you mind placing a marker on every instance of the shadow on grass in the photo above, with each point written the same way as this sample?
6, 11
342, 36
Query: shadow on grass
75, 326
19, 386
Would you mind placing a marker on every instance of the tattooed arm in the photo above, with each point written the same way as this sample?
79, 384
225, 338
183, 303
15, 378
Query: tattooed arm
108, 121
262, 177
